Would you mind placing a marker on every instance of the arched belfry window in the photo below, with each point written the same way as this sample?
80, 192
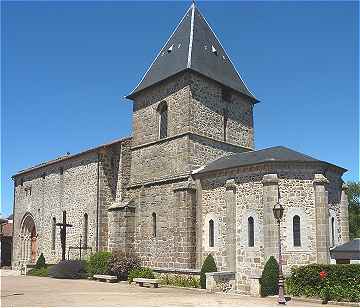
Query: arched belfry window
154, 224
211, 233
53, 233
296, 231
332, 231
251, 235
86, 226
163, 111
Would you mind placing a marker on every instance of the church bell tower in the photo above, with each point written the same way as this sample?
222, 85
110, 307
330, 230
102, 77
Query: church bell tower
190, 107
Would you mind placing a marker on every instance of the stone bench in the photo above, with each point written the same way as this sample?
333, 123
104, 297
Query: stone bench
107, 278
141, 281
220, 281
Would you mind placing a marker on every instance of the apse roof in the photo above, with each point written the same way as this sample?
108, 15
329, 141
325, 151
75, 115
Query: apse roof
193, 45
273, 154
349, 250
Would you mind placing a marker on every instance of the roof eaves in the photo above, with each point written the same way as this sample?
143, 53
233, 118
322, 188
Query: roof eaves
66, 157
203, 172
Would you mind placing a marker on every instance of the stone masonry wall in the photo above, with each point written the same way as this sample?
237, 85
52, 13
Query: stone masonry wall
174, 243
204, 150
74, 192
176, 93
163, 160
297, 197
195, 127
207, 113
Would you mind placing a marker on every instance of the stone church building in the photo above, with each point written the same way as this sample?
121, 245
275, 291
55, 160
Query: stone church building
188, 182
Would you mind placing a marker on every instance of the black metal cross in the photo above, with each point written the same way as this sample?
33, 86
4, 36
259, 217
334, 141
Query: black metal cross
63, 227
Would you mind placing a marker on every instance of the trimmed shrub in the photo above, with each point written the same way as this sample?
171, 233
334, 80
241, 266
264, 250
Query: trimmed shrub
269, 278
120, 264
341, 283
98, 263
41, 272
68, 269
40, 263
208, 267
140, 272
186, 281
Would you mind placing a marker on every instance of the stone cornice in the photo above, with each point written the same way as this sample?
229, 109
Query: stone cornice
230, 184
188, 133
160, 181
271, 178
320, 179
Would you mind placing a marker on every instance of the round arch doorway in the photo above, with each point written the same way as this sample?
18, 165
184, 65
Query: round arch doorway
28, 239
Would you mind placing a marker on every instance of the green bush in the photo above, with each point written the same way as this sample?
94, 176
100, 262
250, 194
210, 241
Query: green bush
68, 269
269, 278
120, 264
140, 272
41, 272
40, 263
342, 282
186, 281
208, 267
98, 263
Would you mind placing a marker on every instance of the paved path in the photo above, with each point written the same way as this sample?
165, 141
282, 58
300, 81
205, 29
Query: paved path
39, 291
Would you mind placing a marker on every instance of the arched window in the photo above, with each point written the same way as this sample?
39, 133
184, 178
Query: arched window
332, 231
296, 231
251, 237
163, 110
86, 230
53, 233
211, 233
154, 224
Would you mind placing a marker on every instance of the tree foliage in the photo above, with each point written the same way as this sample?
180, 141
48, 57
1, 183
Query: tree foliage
354, 209
208, 267
40, 263
269, 278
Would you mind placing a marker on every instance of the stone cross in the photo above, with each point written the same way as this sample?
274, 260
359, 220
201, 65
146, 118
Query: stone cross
63, 225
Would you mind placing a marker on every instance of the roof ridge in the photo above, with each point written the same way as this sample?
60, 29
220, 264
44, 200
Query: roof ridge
158, 54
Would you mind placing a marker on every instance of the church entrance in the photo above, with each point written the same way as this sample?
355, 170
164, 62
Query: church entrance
28, 240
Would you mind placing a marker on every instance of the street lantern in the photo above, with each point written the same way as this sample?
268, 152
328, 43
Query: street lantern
278, 211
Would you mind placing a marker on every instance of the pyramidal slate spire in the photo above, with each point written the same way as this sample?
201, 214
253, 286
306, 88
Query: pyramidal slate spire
193, 46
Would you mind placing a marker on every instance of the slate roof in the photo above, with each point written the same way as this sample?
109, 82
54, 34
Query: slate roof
349, 250
193, 45
273, 154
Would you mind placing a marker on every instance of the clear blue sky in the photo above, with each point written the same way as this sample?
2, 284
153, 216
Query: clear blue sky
66, 67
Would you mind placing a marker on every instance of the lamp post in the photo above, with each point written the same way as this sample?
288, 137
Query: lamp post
278, 211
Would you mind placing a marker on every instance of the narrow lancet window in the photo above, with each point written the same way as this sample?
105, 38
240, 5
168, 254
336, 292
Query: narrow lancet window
332, 231
86, 225
211, 233
251, 236
163, 120
296, 231
225, 123
53, 233
154, 224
